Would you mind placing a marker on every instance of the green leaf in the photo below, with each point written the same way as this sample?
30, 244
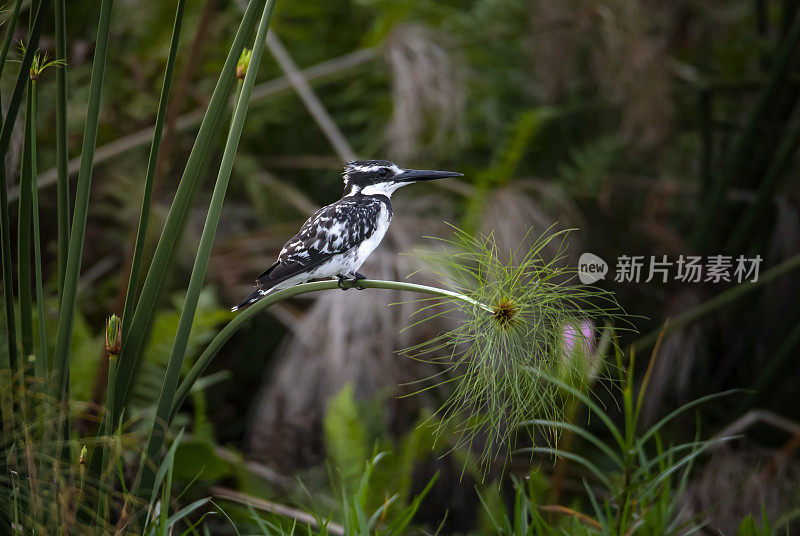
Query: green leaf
198, 459
346, 437
748, 527
41, 365
163, 475
24, 238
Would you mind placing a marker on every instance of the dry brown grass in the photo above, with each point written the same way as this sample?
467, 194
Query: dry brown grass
428, 92
632, 67
626, 41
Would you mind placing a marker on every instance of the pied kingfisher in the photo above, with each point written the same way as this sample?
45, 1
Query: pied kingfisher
337, 239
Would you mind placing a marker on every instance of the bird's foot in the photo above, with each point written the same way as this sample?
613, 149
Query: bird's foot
341, 281
356, 278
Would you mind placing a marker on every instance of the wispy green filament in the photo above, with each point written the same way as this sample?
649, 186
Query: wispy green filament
504, 367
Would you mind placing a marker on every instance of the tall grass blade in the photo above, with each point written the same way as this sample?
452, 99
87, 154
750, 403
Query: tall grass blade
62, 143
582, 432
185, 511
144, 215
102, 508
170, 383
24, 240
648, 373
69, 296
666, 458
132, 344
596, 507
593, 407
162, 473
41, 366
674, 466
689, 405
10, 26
572, 457
774, 176
5, 220
22, 79
9, 362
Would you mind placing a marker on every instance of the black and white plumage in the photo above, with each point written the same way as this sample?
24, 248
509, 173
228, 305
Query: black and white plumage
338, 238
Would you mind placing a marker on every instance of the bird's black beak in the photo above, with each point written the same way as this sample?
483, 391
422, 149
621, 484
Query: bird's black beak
416, 175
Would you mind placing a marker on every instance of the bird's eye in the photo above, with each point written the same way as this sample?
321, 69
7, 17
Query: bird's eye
383, 172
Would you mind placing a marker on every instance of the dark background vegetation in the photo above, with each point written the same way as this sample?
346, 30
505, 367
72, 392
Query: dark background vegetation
653, 127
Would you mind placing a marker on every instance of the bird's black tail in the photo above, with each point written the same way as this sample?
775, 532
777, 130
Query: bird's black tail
250, 300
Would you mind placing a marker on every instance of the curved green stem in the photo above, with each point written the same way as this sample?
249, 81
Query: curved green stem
233, 326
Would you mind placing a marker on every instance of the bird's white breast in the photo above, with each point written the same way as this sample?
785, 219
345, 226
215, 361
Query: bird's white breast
368, 246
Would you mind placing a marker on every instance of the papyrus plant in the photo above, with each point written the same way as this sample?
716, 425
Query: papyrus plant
504, 362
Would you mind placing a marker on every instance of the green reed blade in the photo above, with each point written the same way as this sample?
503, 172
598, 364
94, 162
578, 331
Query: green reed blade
786, 59
62, 143
11, 25
144, 215
22, 79
133, 344
5, 219
5, 139
8, 283
716, 303
41, 366
170, 383
24, 240
69, 296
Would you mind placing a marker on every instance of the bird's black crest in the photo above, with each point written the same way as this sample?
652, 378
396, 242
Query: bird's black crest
354, 164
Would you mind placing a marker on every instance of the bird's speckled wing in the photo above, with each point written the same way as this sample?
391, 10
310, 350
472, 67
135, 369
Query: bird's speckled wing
332, 230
